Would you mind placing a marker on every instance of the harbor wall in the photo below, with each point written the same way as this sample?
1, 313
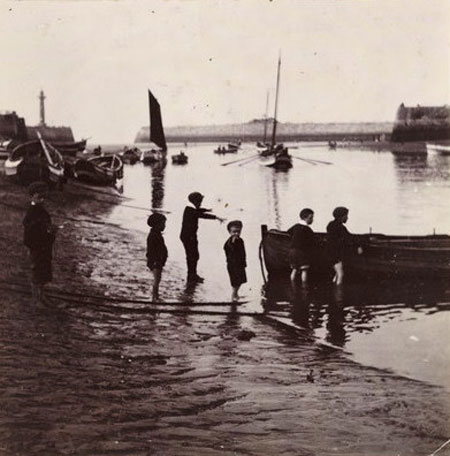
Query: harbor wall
51, 134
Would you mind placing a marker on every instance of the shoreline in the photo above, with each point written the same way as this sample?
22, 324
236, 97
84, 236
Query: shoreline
94, 376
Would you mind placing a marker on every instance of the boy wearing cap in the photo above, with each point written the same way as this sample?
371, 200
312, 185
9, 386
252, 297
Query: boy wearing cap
39, 236
189, 230
156, 249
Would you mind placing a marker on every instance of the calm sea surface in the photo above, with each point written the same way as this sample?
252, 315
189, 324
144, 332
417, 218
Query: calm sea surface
390, 326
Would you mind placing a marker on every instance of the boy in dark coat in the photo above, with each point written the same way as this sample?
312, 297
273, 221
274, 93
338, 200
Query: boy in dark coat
156, 249
189, 230
39, 236
302, 248
340, 242
236, 258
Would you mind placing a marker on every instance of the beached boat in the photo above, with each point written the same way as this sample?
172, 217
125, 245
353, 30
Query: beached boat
422, 257
180, 159
442, 149
70, 148
106, 170
35, 160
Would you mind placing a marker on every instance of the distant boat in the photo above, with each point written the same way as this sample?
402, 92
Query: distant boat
180, 159
407, 257
35, 160
105, 170
442, 149
230, 149
130, 156
283, 162
157, 136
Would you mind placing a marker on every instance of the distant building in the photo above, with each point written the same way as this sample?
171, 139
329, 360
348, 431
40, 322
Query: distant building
12, 127
421, 123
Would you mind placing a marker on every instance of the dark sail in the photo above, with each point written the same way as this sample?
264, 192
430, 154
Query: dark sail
156, 126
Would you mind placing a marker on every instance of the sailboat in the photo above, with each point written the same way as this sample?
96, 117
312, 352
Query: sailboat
282, 159
157, 136
263, 144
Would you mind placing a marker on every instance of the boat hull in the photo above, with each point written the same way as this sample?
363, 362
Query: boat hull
105, 170
423, 257
442, 149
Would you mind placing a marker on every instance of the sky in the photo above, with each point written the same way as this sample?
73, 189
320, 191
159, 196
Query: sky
212, 61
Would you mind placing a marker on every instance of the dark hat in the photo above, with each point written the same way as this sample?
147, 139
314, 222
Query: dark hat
237, 223
37, 187
339, 212
195, 197
155, 219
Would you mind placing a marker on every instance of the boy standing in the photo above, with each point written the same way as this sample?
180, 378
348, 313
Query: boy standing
303, 243
156, 250
189, 230
39, 236
236, 258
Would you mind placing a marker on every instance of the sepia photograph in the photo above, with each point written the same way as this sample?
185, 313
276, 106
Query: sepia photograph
225, 228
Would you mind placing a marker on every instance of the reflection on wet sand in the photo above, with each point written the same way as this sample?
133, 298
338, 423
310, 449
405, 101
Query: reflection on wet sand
354, 307
157, 183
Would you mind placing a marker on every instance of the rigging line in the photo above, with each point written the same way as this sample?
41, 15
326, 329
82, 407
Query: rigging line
239, 160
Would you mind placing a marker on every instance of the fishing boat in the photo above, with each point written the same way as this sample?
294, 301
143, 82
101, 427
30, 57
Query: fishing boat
442, 149
408, 257
105, 170
157, 137
180, 159
4, 149
130, 156
282, 159
35, 160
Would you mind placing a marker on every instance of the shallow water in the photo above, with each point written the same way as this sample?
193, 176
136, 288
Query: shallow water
385, 193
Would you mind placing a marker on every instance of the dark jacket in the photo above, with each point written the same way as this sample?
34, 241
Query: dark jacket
189, 227
303, 244
156, 250
38, 232
235, 253
236, 261
340, 242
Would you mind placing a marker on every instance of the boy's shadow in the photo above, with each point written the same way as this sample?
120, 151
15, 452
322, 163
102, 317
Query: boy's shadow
188, 294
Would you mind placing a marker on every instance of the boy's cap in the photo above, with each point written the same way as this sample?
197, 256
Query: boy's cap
155, 219
236, 223
37, 187
195, 196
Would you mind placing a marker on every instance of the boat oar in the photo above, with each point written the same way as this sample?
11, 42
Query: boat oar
313, 162
240, 160
249, 160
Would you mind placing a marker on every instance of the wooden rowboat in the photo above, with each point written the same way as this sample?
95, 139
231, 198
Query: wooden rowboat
104, 170
423, 257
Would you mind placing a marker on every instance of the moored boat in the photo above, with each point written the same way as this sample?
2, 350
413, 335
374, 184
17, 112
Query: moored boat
130, 156
226, 150
106, 170
282, 161
421, 257
35, 160
442, 149
180, 159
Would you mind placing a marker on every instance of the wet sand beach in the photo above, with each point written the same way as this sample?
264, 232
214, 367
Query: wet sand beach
93, 376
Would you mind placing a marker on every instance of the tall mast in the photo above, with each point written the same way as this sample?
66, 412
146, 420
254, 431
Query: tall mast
265, 118
274, 132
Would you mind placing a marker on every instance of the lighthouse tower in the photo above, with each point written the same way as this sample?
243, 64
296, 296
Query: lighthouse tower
42, 109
